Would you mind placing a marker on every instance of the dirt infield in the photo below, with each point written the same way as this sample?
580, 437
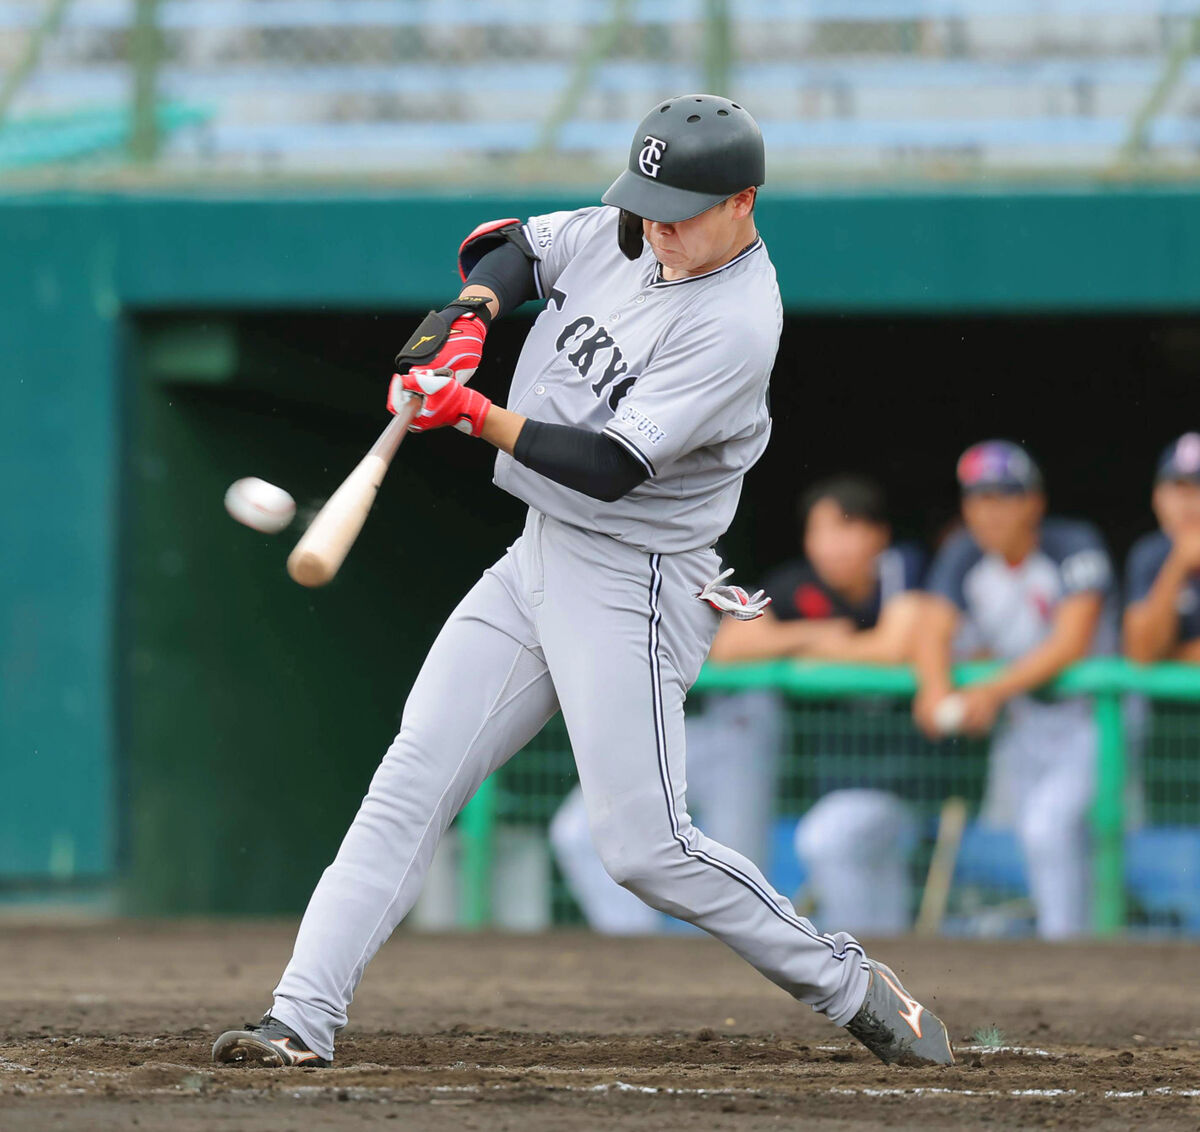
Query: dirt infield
109, 1026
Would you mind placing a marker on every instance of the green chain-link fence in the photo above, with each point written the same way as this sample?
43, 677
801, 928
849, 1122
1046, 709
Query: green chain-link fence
847, 725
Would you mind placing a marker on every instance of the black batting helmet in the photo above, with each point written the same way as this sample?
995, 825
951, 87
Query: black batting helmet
688, 154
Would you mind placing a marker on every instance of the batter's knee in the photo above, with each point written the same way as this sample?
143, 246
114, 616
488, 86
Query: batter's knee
629, 864
632, 858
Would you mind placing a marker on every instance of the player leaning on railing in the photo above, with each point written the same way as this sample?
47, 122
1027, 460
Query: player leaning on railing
1162, 576
638, 403
1038, 594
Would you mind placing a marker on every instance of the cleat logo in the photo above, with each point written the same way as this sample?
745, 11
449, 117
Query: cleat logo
294, 1056
911, 1015
419, 341
650, 159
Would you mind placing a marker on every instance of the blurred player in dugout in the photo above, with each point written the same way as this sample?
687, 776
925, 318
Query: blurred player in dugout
1037, 594
849, 599
1162, 574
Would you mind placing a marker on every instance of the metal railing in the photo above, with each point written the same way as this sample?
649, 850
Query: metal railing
1107, 682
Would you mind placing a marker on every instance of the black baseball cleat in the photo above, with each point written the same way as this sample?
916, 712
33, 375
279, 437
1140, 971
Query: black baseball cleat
267, 1042
895, 1027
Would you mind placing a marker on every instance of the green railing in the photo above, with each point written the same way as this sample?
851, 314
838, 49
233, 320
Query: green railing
1106, 681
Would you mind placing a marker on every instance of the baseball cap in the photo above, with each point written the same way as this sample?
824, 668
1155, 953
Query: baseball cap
1180, 459
997, 465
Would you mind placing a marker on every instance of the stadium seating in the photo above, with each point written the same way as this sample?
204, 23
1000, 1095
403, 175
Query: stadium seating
418, 85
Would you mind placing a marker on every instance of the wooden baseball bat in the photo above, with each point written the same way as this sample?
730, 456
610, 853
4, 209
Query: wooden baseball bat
323, 547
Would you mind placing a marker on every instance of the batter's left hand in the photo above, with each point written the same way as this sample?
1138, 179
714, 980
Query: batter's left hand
444, 401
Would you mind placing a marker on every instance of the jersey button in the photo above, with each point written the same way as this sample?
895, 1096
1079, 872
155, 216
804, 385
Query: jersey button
640, 299
613, 317
539, 389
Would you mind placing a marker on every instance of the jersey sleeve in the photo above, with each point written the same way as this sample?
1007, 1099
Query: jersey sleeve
706, 383
948, 574
901, 568
557, 237
1083, 561
914, 560
1141, 568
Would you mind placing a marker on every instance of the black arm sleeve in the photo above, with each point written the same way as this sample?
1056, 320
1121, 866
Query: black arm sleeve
508, 271
589, 462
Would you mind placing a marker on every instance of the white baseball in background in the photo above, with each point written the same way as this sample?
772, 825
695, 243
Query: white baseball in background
949, 714
260, 505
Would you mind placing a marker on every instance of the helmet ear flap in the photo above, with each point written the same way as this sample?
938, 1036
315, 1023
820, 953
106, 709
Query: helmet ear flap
629, 234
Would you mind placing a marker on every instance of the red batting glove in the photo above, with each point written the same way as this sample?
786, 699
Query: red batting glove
445, 401
463, 350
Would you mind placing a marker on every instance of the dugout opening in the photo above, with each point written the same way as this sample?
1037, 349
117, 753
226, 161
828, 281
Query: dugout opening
252, 712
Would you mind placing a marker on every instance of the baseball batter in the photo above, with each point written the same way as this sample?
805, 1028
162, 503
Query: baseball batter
638, 404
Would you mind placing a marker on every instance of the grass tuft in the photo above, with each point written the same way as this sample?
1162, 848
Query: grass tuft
989, 1036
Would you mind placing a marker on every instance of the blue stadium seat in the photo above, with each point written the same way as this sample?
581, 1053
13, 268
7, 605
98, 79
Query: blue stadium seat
1162, 870
990, 858
190, 15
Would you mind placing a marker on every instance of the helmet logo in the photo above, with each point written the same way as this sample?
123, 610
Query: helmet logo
650, 159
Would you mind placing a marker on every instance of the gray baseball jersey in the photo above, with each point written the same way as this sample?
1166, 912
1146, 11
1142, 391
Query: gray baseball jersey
1012, 608
676, 371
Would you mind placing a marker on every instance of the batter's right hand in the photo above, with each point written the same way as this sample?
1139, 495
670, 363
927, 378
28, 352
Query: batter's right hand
444, 402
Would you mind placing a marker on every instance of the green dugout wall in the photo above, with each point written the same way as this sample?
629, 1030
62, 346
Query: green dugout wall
173, 712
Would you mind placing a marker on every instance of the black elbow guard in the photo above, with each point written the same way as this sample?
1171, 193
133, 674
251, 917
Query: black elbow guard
488, 237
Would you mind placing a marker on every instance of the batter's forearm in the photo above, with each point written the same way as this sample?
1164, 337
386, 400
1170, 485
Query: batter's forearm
478, 290
502, 428
584, 461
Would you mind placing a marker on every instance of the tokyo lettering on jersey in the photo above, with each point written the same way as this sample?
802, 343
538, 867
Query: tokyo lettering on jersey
798, 592
675, 371
1141, 570
1010, 609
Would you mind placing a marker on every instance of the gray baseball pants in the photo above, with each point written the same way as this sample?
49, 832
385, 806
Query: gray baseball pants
573, 620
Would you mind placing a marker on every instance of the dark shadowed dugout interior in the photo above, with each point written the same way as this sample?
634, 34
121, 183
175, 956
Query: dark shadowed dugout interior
252, 712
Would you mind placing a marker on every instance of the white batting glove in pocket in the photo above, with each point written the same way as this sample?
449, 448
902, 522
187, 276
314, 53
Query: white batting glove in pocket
733, 599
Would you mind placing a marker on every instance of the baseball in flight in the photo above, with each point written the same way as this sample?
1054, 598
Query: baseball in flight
261, 505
